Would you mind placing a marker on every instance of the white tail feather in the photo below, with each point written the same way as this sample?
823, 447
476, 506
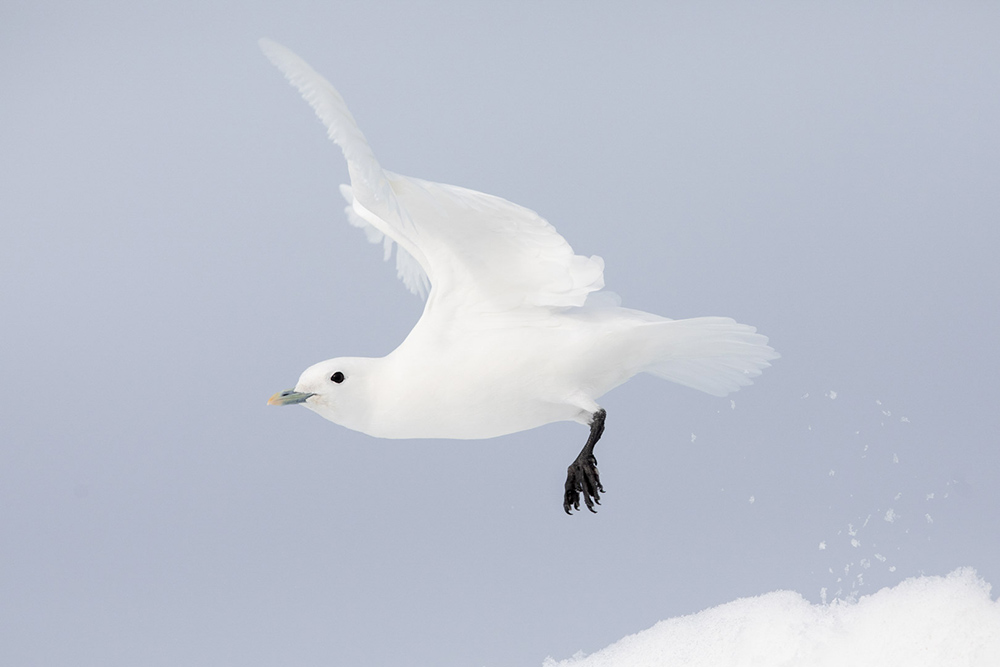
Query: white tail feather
716, 355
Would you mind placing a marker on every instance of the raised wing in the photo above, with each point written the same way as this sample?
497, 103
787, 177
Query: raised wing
488, 253
477, 251
369, 185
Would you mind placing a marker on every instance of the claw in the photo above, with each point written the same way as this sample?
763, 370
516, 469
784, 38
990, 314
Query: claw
582, 475
582, 478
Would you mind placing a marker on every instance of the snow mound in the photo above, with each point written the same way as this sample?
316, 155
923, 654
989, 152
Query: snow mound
934, 621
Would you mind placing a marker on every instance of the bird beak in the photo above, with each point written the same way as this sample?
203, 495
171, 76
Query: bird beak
288, 397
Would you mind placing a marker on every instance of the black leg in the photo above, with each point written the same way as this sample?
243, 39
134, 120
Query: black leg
582, 476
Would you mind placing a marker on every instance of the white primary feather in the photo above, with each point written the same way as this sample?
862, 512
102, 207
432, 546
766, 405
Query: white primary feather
366, 175
407, 268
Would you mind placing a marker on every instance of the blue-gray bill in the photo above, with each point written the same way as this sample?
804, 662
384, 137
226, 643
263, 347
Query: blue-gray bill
288, 397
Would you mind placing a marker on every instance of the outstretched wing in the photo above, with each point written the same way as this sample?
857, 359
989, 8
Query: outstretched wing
475, 250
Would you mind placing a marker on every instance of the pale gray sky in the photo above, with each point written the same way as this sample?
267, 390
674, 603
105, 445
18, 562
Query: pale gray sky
173, 251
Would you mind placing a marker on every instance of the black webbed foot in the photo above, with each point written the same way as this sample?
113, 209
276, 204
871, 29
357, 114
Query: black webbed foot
582, 475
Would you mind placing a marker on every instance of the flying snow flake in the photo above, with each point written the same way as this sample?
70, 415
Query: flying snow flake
855, 542
822, 546
895, 458
832, 472
905, 419
929, 519
930, 496
732, 405
693, 437
880, 558
832, 395
891, 515
752, 500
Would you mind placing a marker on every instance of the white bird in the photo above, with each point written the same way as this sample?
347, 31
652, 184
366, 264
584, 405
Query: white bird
515, 332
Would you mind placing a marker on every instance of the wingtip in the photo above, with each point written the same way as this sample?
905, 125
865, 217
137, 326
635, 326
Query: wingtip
272, 49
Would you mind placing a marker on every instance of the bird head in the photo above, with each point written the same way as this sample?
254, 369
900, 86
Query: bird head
334, 389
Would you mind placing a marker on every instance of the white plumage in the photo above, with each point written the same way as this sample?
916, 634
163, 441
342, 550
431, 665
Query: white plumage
515, 332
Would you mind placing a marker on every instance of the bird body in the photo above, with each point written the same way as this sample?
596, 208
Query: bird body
516, 330
496, 375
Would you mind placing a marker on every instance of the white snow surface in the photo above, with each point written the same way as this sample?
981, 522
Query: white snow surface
927, 621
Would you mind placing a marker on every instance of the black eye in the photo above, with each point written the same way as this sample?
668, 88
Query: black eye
337, 377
